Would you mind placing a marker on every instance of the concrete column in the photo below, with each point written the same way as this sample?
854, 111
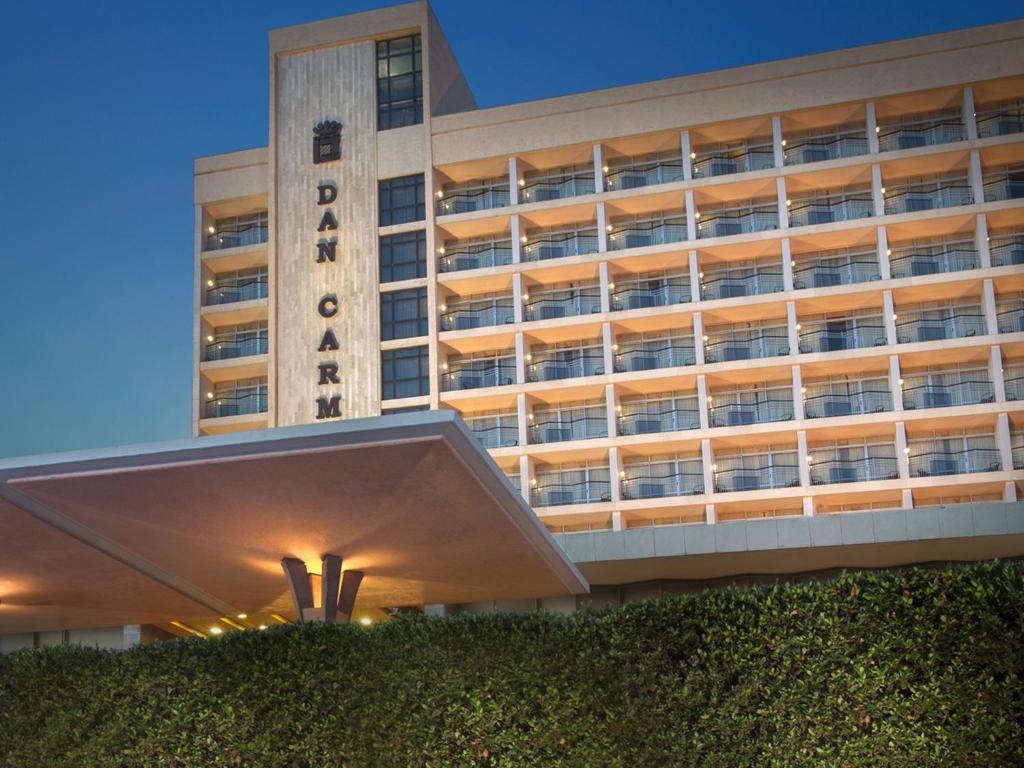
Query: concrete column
889, 316
877, 190
517, 239
780, 191
995, 373
709, 514
691, 216
513, 180
708, 461
617, 521
523, 420
606, 287
687, 153
517, 297
798, 394
611, 399
615, 473
884, 268
906, 499
988, 301
132, 636
777, 145
974, 177
787, 265
808, 503
694, 276
970, 125
598, 168
902, 459
602, 228
1003, 442
608, 347
525, 477
698, 338
871, 127
791, 328
702, 402
520, 359
1010, 492
981, 241
804, 459
895, 382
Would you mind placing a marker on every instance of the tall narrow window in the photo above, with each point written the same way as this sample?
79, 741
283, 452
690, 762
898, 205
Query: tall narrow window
403, 257
403, 314
399, 82
401, 200
405, 373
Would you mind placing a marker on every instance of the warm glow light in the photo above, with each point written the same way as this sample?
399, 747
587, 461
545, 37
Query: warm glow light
696, 215
609, 227
209, 395
522, 182
611, 286
444, 307
883, 190
810, 459
211, 229
441, 250
693, 155
529, 358
210, 283
803, 390
783, 142
522, 239
366, 621
878, 129
444, 366
888, 251
243, 616
798, 326
526, 297
209, 338
901, 382
605, 169
263, 626
714, 467
789, 202
215, 630
440, 193
615, 347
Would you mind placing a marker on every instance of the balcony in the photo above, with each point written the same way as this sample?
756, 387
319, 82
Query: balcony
634, 173
836, 334
1010, 313
739, 159
722, 345
477, 313
472, 196
541, 245
657, 478
756, 471
457, 256
236, 399
820, 147
832, 464
958, 455
732, 280
575, 485
1004, 185
576, 421
750, 405
1000, 119
1006, 249
640, 233
756, 216
933, 258
1013, 381
942, 389
831, 268
654, 290
537, 187
928, 196
652, 415
237, 232
827, 209
555, 363
921, 132
240, 286
1017, 449
568, 301
651, 351
478, 371
939, 322
243, 341
846, 397
495, 430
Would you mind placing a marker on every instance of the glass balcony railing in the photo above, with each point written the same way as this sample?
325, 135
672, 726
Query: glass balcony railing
556, 364
846, 397
555, 244
840, 334
741, 159
641, 233
651, 416
756, 472
566, 302
587, 485
1000, 119
234, 289
654, 352
853, 464
1017, 449
743, 407
475, 196
650, 291
739, 280
1013, 382
656, 479
474, 254
927, 196
1010, 314
540, 187
937, 324
237, 232
933, 259
942, 390
836, 268
766, 341
477, 314
826, 146
936, 457
1006, 250
924, 132
643, 172
564, 424
496, 430
236, 402
241, 345
740, 220
1007, 185
479, 373
825, 210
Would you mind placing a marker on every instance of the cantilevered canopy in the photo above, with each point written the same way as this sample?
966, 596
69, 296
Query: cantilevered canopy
194, 530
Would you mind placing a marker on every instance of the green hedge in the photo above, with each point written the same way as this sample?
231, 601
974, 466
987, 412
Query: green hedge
912, 668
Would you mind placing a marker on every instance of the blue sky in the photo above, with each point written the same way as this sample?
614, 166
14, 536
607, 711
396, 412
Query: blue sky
105, 105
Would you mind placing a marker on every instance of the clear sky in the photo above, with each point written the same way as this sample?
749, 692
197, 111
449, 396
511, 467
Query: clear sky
104, 105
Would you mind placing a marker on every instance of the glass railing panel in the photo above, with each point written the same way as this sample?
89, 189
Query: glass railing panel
930, 325
913, 199
853, 463
1006, 250
476, 374
465, 199
643, 293
733, 283
571, 486
1013, 382
242, 289
555, 245
566, 424
238, 402
743, 407
540, 188
827, 271
746, 345
1004, 186
1017, 449
651, 354
808, 212
477, 315
846, 398
942, 390
241, 346
550, 305
238, 232
836, 335
554, 365
643, 173
1000, 120
645, 417
499, 430
754, 472
918, 260
826, 146
911, 134
456, 257
738, 221
724, 162
1010, 315
658, 479
640, 234
955, 456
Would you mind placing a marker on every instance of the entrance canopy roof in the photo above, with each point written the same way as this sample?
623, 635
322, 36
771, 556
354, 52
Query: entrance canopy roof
195, 530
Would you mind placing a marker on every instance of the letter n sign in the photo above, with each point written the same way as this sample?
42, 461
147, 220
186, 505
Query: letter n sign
327, 142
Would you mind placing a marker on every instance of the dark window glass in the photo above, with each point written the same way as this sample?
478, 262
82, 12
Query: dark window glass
403, 257
406, 409
399, 82
401, 200
405, 373
403, 314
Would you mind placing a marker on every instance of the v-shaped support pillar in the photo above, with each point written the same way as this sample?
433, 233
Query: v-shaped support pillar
337, 590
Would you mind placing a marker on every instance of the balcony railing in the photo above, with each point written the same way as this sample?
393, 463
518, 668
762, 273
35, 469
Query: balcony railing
932, 259
565, 302
237, 232
646, 417
644, 292
733, 282
540, 246
1013, 382
477, 314
927, 196
633, 174
566, 424
658, 479
853, 464
464, 198
925, 132
236, 402
931, 391
935, 458
1010, 315
556, 186
231, 290
640, 233
475, 374
1006, 250
1008, 185
825, 271
571, 486
475, 254
1017, 449
853, 397
740, 220
836, 335
810, 211
557, 364
722, 162
769, 341
497, 431
653, 353
1000, 120
934, 325
755, 472
750, 406
826, 146
239, 346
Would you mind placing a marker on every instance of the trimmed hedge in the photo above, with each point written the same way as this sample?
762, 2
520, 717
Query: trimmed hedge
910, 668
